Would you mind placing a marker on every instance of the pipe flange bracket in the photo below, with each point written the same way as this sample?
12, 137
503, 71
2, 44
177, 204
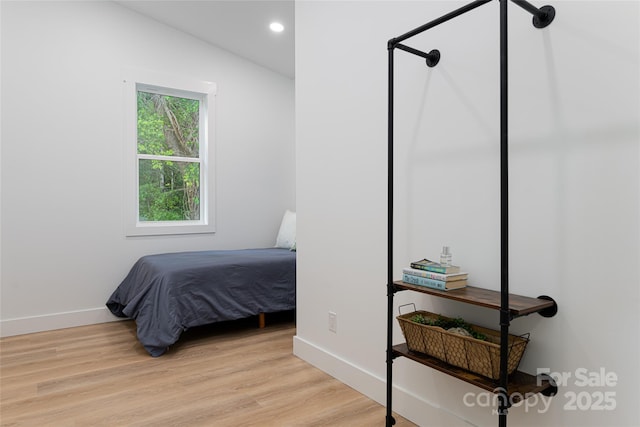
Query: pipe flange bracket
545, 17
549, 311
433, 58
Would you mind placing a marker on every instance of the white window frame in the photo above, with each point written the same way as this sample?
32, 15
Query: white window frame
135, 80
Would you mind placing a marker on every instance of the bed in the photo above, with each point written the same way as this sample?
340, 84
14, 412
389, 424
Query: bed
166, 294
169, 293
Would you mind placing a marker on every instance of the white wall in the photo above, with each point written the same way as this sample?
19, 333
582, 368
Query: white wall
63, 244
574, 163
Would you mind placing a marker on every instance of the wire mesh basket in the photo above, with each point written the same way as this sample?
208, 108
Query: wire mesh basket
479, 356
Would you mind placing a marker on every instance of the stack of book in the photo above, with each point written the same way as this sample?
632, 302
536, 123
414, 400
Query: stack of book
434, 275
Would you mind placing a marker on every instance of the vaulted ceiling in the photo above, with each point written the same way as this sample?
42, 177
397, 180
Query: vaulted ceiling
239, 26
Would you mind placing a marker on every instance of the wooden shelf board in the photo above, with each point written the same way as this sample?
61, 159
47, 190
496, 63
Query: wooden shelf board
518, 305
520, 383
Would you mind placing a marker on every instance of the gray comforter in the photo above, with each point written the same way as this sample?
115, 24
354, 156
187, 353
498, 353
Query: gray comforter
168, 293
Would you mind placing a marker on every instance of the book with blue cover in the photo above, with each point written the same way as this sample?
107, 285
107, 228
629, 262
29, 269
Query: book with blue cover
452, 277
434, 284
436, 267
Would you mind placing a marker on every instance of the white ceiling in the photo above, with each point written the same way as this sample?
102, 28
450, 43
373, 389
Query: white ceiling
240, 26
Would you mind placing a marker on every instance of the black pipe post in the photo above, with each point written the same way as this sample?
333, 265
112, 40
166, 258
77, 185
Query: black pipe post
503, 392
390, 289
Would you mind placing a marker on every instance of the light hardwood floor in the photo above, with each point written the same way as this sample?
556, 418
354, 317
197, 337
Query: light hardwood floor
226, 375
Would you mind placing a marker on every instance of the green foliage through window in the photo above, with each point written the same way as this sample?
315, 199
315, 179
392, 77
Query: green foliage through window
168, 126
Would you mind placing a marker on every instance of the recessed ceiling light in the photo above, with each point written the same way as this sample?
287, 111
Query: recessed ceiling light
276, 27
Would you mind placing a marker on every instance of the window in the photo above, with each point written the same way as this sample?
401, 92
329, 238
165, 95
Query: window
169, 183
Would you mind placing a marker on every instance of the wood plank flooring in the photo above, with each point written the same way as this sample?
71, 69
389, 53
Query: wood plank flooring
232, 374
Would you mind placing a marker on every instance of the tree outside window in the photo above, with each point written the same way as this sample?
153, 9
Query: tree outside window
168, 157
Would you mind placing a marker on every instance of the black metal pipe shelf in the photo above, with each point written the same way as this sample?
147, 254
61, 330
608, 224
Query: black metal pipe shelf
519, 384
499, 300
519, 305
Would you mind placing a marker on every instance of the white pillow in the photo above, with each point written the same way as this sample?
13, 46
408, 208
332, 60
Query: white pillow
287, 234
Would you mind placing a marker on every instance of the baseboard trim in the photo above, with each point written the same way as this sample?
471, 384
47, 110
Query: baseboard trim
353, 376
49, 322
405, 403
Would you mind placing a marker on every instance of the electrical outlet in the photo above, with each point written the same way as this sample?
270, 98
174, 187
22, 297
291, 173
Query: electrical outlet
333, 322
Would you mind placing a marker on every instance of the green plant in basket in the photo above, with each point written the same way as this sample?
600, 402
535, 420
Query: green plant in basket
419, 318
446, 324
